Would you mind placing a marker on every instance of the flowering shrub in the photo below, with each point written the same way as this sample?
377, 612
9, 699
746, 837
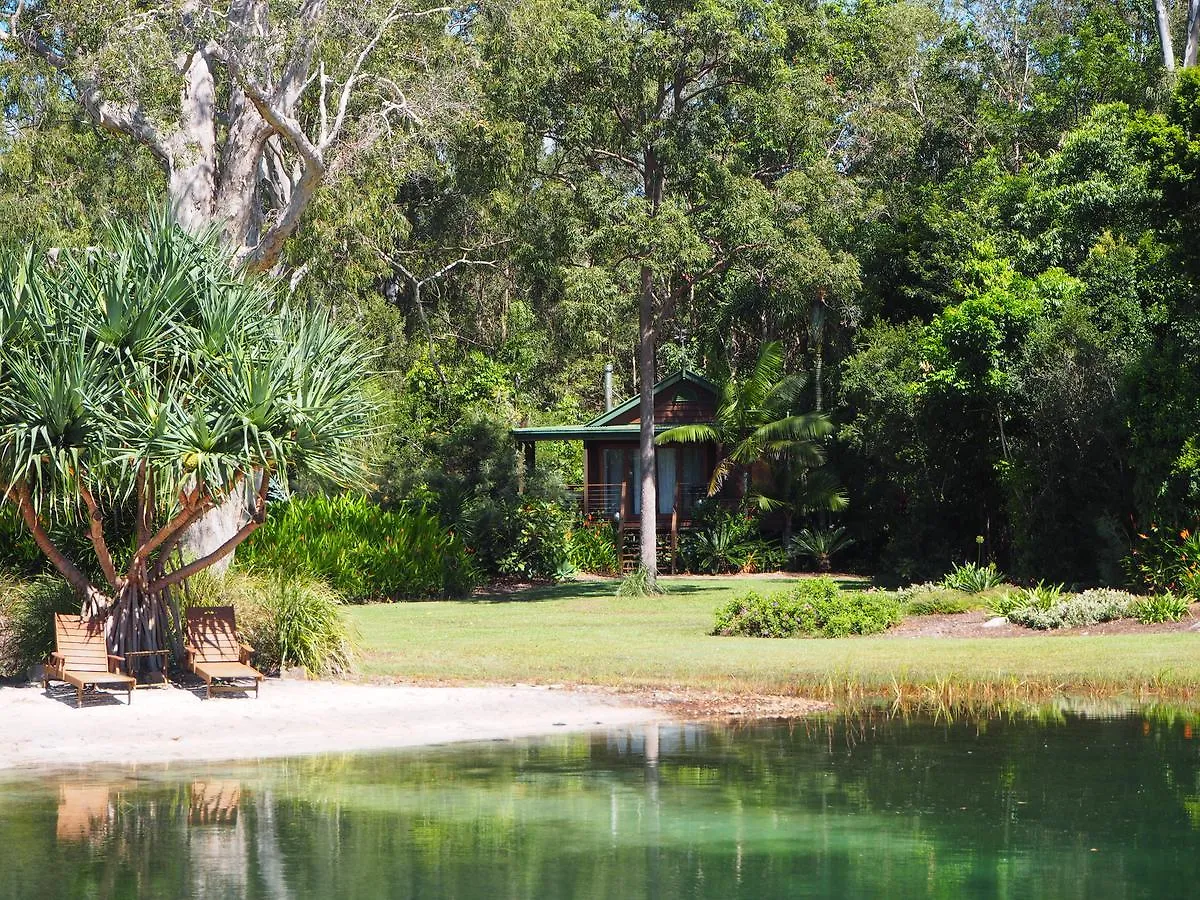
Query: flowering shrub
1166, 561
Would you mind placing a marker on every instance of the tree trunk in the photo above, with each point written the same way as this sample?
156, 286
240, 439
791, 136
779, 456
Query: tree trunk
647, 376
1163, 21
1192, 48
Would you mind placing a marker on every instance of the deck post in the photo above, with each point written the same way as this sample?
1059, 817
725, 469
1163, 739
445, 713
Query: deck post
675, 528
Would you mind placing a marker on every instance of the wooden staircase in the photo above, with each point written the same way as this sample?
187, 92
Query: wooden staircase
630, 543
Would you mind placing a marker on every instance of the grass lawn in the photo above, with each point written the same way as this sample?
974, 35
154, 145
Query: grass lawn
582, 634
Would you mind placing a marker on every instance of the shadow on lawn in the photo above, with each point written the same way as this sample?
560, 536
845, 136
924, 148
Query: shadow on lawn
600, 589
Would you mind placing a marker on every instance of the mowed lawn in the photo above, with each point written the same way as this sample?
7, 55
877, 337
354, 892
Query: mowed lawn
583, 634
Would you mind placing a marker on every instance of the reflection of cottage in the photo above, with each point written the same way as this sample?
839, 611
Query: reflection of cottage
612, 467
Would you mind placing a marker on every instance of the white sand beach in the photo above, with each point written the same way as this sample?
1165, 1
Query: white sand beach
289, 718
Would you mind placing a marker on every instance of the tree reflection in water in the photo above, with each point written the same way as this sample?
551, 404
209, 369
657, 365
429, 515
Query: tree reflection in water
1068, 807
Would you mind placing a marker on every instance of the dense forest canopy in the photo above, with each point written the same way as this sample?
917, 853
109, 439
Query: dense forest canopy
970, 225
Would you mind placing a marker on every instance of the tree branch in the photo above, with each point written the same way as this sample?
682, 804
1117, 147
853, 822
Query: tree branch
199, 565
33, 522
96, 533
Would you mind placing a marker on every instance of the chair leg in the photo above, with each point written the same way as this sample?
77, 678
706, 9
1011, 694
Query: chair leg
78, 698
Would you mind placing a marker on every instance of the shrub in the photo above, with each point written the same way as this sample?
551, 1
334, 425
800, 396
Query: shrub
1042, 596
820, 544
1089, 608
1006, 603
362, 550
1160, 608
525, 538
972, 579
813, 607
637, 584
27, 611
289, 621
1166, 561
592, 547
942, 603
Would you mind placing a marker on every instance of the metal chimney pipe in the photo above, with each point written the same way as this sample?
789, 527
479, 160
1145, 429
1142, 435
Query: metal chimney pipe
608, 404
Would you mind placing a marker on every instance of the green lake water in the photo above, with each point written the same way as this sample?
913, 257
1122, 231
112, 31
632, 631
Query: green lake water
864, 807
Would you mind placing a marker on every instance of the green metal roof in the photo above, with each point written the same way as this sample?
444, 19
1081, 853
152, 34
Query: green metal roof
599, 427
581, 432
681, 376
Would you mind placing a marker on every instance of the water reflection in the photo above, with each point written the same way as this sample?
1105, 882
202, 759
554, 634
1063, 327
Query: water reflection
1069, 807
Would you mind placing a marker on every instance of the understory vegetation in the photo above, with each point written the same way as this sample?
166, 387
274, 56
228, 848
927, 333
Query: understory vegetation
289, 619
362, 550
813, 607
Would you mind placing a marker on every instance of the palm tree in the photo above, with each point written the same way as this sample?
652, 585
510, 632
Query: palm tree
755, 420
146, 375
801, 490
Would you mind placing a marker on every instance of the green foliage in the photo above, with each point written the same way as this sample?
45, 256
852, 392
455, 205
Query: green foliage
1042, 596
756, 419
973, 579
592, 547
1166, 561
815, 607
637, 584
1160, 608
939, 603
365, 552
289, 619
1006, 603
526, 539
1089, 608
820, 544
728, 541
27, 611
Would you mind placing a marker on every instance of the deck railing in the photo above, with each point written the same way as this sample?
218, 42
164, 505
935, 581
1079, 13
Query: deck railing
602, 500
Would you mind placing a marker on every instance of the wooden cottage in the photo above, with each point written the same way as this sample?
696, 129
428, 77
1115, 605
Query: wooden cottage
612, 465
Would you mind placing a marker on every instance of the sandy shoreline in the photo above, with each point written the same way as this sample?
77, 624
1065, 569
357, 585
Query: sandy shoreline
290, 718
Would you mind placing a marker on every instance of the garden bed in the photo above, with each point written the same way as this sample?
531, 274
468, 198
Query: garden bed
973, 625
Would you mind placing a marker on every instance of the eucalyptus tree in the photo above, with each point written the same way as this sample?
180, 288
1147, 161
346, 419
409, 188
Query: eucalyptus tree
630, 102
143, 374
247, 106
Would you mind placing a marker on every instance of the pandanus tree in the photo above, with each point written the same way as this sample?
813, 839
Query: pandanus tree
756, 419
146, 376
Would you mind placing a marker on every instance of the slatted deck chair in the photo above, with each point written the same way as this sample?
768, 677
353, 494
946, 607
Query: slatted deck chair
215, 653
82, 658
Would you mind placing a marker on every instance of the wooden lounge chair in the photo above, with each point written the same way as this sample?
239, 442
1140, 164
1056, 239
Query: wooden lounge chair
214, 652
82, 658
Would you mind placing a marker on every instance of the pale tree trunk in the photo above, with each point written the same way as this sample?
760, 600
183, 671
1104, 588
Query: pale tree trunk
236, 155
1192, 48
1162, 19
647, 376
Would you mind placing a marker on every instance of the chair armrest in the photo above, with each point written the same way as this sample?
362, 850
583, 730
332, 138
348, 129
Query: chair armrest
114, 663
246, 653
189, 657
55, 662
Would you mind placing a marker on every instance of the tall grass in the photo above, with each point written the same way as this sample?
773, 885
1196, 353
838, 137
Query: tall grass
27, 611
290, 621
363, 551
